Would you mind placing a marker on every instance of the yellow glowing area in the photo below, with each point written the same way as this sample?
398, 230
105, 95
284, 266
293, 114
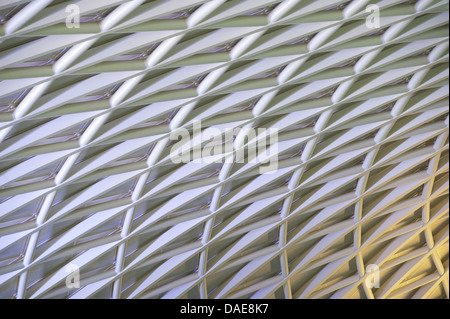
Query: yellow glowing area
213, 149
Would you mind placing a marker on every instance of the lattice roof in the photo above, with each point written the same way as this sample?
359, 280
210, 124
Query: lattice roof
86, 177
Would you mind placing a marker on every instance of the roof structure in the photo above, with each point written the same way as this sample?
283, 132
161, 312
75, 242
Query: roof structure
92, 91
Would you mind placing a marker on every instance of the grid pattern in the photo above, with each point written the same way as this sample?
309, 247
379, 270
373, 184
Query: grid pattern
86, 176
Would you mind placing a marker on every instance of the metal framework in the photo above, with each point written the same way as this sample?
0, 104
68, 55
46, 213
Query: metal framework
87, 181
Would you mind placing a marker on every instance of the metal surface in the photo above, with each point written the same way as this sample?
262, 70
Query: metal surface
87, 181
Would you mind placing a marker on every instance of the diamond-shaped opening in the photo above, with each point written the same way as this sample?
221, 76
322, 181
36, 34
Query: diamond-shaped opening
268, 74
93, 151
63, 83
9, 289
368, 227
44, 173
140, 155
97, 16
421, 95
193, 36
104, 293
124, 113
191, 83
338, 7
121, 191
7, 13
16, 42
100, 95
195, 208
114, 226
27, 213
158, 173
129, 162
132, 279
350, 187
64, 193
136, 54
182, 14
307, 122
327, 139
233, 186
343, 215
270, 238
265, 11
279, 184
269, 270
383, 108
405, 120
439, 181
427, 267
222, 220
296, 222
137, 243
338, 245
300, 281
107, 39
223, 47
13, 254
70, 134
302, 194
438, 205
215, 252
296, 252
9, 103
162, 285
423, 19
23, 128
345, 271
207, 102
43, 60
212, 170
51, 232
